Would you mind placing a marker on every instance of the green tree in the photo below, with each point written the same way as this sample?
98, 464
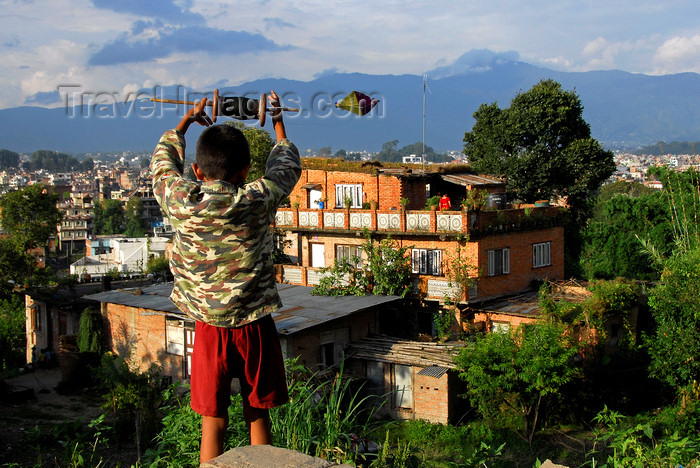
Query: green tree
324, 152
109, 217
12, 332
16, 265
541, 143
133, 218
517, 372
260, 143
612, 245
31, 215
674, 346
9, 159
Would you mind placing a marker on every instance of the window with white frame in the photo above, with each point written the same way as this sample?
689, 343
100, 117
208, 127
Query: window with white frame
175, 336
498, 262
353, 253
351, 191
541, 254
426, 261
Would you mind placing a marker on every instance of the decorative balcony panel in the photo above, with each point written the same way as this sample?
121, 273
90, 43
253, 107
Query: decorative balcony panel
308, 218
292, 275
284, 218
360, 220
313, 277
389, 221
418, 222
334, 219
444, 288
447, 222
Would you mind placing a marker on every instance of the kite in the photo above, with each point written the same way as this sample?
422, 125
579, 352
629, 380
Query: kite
357, 103
245, 108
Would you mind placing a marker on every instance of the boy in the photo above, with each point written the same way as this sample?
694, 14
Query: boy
223, 269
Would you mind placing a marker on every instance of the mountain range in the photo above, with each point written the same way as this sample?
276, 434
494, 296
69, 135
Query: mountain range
624, 110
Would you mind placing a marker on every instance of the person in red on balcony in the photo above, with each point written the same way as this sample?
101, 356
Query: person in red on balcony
445, 203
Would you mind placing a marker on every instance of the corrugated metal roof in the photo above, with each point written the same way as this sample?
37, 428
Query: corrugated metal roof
470, 179
433, 371
300, 309
522, 304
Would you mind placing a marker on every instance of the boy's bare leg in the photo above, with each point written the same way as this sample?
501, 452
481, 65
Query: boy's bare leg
213, 432
258, 422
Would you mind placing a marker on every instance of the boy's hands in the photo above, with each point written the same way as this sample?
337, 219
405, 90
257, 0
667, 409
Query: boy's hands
277, 122
196, 114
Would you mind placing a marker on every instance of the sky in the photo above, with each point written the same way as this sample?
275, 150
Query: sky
120, 46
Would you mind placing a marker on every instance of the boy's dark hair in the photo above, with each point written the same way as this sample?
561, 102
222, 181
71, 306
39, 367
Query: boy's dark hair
222, 151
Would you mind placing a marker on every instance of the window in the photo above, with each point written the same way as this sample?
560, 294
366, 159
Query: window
354, 192
498, 262
403, 386
426, 262
175, 336
353, 253
541, 254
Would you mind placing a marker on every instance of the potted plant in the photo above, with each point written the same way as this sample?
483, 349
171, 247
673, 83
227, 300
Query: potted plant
348, 202
404, 203
432, 203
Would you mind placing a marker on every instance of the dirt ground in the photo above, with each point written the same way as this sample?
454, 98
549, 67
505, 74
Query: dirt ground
45, 410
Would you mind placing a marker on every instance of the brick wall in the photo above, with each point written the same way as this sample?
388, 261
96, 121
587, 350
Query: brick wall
138, 335
521, 271
387, 190
431, 399
519, 243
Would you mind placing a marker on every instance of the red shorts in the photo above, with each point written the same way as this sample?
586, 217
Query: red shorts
251, 353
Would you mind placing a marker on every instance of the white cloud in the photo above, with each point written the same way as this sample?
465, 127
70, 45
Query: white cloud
679, 54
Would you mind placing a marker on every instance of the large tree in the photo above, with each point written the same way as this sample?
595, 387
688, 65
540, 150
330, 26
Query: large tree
542, 144
260, 143
30, 215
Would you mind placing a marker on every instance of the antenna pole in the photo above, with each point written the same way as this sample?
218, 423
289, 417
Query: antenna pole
425, 79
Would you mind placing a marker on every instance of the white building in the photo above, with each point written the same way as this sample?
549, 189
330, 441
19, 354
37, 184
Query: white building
126, 256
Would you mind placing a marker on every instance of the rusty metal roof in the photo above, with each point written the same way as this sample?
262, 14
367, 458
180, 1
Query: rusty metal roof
300, 309
470, 179
525, 304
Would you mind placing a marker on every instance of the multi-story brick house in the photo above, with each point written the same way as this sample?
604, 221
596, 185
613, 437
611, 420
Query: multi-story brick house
507, 248
77, 224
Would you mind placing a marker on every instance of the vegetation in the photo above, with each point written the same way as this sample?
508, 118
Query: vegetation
391, 153
135, 225
109, 217
12, 333
57, 162
385, 271
517, 372
260, 143
541, 144
8, 159
674, 147
30, 215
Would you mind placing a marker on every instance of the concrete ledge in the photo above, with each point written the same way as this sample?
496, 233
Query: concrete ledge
267, 456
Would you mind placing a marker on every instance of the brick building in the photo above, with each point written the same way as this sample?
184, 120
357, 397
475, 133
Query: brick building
507, 248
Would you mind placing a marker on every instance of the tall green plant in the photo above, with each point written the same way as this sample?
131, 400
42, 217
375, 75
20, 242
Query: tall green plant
385, 271
90, 332
517, 372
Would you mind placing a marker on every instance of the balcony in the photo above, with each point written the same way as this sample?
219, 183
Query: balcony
473, 222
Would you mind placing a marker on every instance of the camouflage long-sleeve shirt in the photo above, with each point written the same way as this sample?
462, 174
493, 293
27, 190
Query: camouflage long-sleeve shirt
222, 246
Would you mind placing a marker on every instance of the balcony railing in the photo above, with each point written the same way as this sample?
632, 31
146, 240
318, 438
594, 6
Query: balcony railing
455, 222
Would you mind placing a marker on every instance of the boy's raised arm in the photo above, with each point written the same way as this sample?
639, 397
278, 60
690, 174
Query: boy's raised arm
277, 122
197, 114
